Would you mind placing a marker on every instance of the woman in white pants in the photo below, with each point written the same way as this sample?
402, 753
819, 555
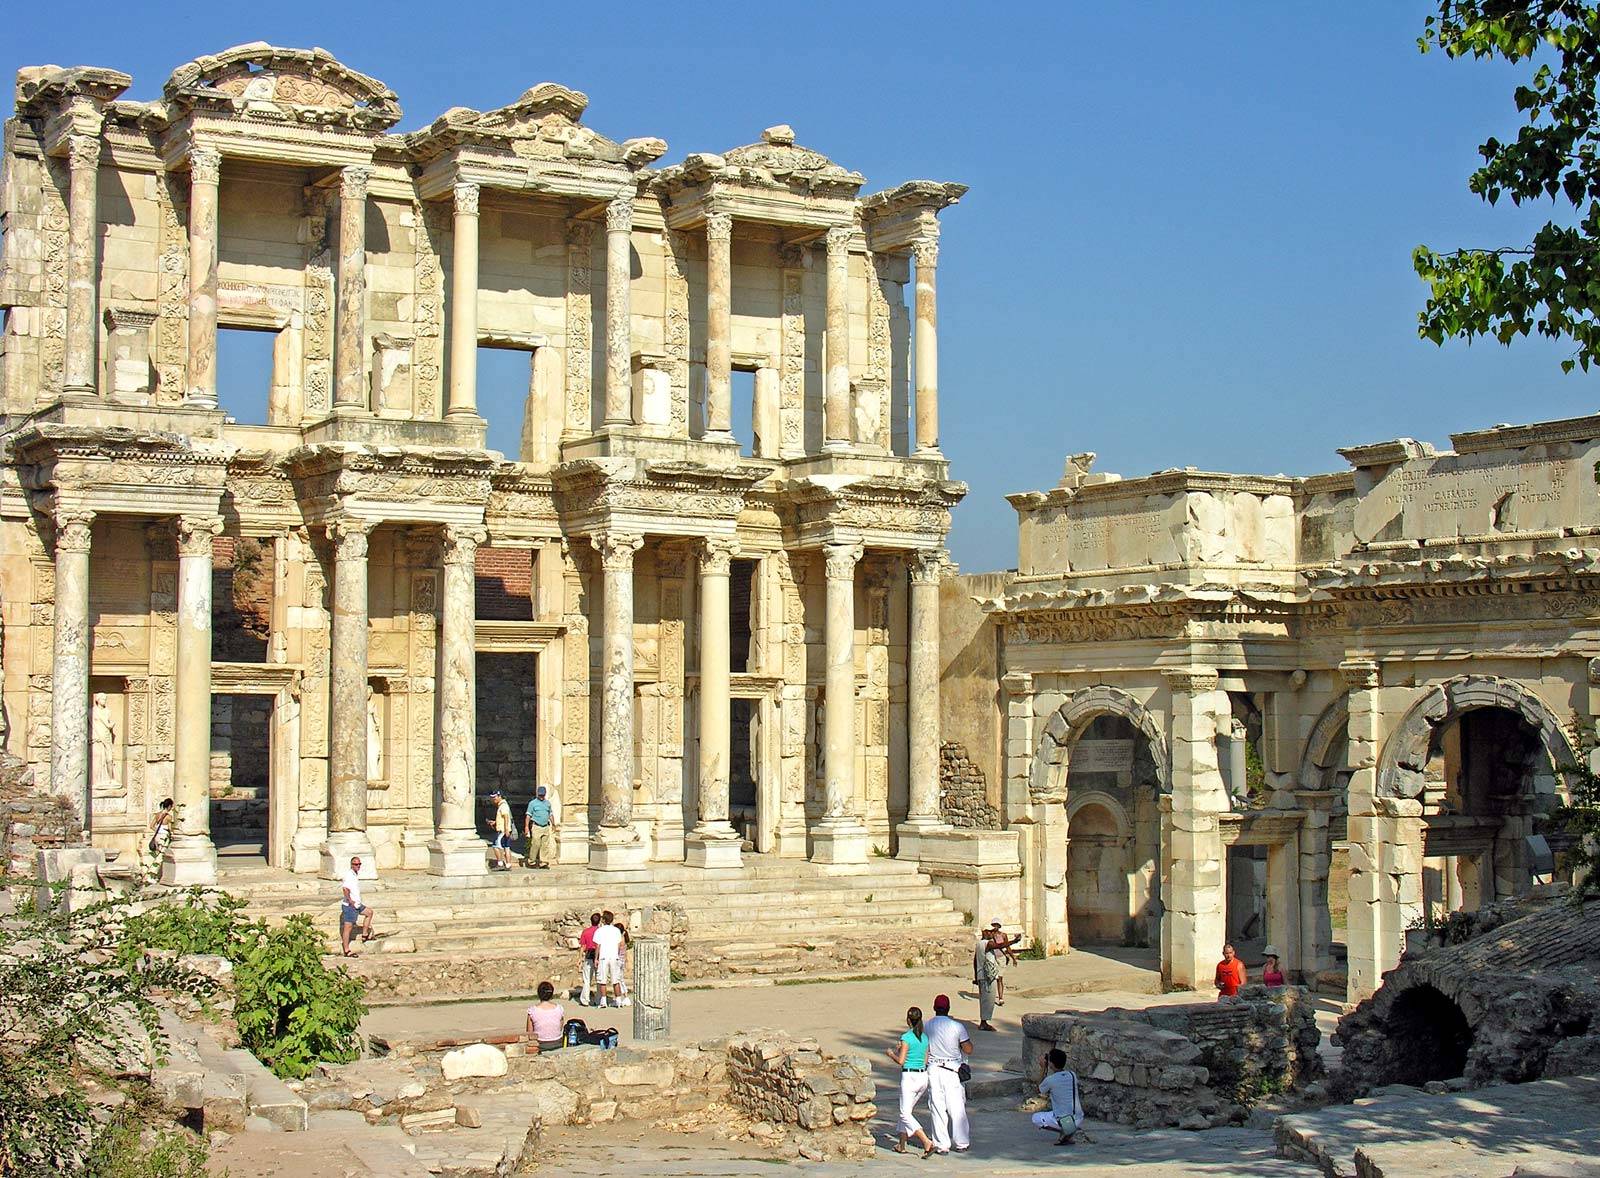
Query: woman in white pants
911, 1054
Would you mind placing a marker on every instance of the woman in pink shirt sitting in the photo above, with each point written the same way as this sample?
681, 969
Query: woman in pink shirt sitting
546, 1021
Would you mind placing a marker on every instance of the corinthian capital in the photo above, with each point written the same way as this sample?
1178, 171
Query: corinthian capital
461, 544
719, 227
928, 565
466, 198
195, 533
616, 549
839, 239
716, 555
83, 151
926, 251
205, 165
72, 529
349, 536
353, 182
619, 215
840, 559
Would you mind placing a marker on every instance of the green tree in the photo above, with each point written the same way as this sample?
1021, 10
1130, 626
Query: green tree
1551, 285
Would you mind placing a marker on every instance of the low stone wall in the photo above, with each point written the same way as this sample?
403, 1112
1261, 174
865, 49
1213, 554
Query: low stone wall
1195, 1066
963, 793
778, 1080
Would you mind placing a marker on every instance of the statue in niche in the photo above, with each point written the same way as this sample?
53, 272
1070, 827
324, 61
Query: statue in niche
374, 738
103, 747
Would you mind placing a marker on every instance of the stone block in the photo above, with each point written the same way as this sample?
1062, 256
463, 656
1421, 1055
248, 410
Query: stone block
474, 1060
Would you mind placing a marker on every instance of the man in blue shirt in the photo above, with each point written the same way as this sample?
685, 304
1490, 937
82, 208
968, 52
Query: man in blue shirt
536, 826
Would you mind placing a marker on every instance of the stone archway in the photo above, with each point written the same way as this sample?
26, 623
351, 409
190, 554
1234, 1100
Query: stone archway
1047, 780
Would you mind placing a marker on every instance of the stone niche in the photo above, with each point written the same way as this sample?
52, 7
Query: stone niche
1194, 1066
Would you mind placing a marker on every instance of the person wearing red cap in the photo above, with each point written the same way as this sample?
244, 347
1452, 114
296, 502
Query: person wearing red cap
948, 1045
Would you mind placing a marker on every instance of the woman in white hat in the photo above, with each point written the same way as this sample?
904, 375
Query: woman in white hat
1271, 973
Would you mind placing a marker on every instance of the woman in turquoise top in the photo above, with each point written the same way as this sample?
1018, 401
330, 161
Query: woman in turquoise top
911, 1054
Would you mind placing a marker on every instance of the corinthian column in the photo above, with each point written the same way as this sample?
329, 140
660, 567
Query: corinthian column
840, 836
205, 170
927, 345
347, 700
719, 327
616, 845
619, 312
349, 359
922, 705
69, 671
83, 156
713, 842
464, 304
836, 390
190, 858
456, 848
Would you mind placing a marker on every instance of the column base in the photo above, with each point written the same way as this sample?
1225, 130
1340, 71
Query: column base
614, 849
80, 392
458, 853
190, 860
908, 836
712, 846
839, 840
341, 847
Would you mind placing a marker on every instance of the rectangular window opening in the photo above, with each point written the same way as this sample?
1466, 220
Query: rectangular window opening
743, 395
505, 381
741, 590
245, 375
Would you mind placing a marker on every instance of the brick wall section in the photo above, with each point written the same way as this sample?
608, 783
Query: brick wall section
963, 794
505, 584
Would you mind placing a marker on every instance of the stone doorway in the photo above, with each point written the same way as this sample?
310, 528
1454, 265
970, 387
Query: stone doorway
255, 762
1113, 836
508, 731
1097, 878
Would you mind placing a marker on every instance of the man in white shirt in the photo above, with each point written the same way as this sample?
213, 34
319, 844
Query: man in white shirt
608, 959
503, 829
352, 910
948, 1044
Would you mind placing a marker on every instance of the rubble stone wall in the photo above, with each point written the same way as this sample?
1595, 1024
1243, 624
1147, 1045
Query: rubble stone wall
792, 1083
963, 793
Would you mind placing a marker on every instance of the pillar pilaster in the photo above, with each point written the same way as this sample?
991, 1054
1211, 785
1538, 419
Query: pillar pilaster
69, 669
719, 327
1373, 935
836, 388
83, 158
347, 703
190, 857
1192, 932
205, 172
926, 251
713, 842
464, 303
619, 312
840, 837
616, 845
349, 355
456, 848
922, 705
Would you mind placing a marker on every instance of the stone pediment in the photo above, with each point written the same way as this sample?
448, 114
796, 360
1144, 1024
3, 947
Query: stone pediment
542, 124
43, 88
263, 82
777, 161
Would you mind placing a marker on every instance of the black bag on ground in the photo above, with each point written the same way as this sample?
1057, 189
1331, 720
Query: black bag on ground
575, 1031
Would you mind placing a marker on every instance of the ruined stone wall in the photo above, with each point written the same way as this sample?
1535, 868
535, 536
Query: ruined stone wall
963, 793
790, 1082
969, 678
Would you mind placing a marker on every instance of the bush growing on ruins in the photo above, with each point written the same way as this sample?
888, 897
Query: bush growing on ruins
1551, 285
1579, 821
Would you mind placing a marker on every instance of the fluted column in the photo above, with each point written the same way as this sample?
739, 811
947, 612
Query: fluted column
347, 703
349, 359
69, 669
616, 845
456, 848
713, 842
927, 343
922, 704
464, 303
1194, 859
619, 312
840, 836
205, 170
83, 157
836, 389
719, 327
190, 857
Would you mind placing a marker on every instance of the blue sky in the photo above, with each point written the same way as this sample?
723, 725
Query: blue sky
1189, 232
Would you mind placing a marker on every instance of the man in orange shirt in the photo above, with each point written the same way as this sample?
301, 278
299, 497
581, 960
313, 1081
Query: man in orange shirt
1230, 973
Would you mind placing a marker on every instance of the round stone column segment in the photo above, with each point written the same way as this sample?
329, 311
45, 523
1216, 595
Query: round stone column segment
922, 702
713, 842
616, 844
836, 389
840, 836
349, 355
456, 848
69, 668
347, 702
719, 326
619, 312
926, 252
205, 171
190, 857
83, 332
464, 303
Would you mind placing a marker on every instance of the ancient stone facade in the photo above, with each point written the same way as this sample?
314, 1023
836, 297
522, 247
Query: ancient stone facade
1202, 684
266, 189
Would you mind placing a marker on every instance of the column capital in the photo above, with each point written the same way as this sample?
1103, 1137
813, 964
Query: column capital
840, 558
1190, 680
619, 215
839, 239
205, 165
353, 182
716, 555
461, 544
719, 227
195, 533
349, 536
83, 151
1359, 674
465, 195
928, 565
72, 529
616, 549
926, 249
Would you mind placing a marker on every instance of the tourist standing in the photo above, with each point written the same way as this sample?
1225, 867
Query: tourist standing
1230, 973
1001, 949
536, 828
624, 998
545, 1021
1271, 971
161, 835
586, 944
984, 974
911, 1054
948, 1046
351, 909
1065, 1114
608, 959
504, 827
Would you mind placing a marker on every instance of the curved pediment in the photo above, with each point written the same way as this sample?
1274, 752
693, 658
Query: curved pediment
302, 85
542, 124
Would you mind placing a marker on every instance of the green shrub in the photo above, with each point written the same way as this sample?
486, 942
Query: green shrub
127, 1149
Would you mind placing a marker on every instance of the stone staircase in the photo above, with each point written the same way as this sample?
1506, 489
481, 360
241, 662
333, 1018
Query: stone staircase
772, 917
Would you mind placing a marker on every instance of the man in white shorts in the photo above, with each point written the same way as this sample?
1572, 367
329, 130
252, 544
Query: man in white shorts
608, 959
